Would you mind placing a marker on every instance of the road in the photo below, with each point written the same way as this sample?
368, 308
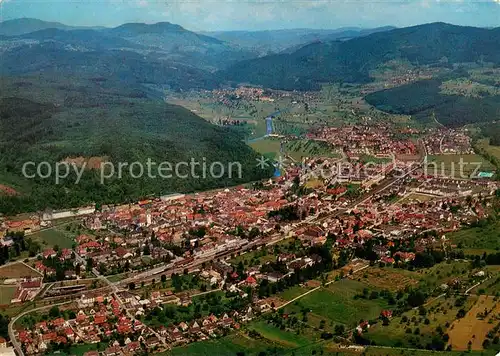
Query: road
198, 262
15, 343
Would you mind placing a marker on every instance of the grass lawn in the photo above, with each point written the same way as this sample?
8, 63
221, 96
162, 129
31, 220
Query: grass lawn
80, 349
269, 147
253, 258
54, 236
293, 292
6, 294
443, 272
117, 277
336, 303
492, 285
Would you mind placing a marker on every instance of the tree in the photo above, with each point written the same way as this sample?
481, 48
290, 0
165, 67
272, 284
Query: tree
131, 286
54, 312
339, 329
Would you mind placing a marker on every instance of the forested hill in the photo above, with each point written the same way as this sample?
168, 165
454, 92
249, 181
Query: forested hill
51, 119
352, 60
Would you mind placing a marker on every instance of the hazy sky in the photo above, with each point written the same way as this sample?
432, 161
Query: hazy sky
257, 14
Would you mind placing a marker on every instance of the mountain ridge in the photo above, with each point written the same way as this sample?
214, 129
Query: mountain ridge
352, 60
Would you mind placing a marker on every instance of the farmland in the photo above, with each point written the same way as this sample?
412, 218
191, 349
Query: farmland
308, 148
268, 147
228, 345
17, 270
337, 304
388, 278
492, 285
277, 336
297, 149
418, 328
471, 329
293, 292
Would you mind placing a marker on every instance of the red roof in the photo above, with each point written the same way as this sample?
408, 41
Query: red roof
250, 280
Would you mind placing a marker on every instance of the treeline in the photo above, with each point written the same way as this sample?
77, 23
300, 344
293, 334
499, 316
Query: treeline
20, 244
424, 100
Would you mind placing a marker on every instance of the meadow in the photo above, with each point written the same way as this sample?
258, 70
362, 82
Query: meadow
228, 345
416, 328
336, 304
55, 236
485, 238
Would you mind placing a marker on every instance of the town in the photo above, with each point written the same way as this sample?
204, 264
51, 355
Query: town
170, 271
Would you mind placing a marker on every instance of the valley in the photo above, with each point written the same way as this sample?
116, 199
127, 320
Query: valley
361, 217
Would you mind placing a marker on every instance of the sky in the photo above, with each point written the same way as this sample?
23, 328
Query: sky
217, 15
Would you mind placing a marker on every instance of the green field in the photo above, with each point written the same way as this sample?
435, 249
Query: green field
336, 304
293, 292
6, 294
280, 338
492, 285
253, 258
269, 147
54, 236
298, 149
228, 345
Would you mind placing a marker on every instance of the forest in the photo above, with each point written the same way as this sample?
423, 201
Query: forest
110, 123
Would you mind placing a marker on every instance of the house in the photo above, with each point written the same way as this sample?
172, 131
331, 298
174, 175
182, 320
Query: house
250, 281
49, 253
386, 314
363, 326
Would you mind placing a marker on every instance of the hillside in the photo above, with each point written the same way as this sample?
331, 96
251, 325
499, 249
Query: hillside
52, 119
352, 60
26, 25
276, 41
173, 42
71, 58
161, 53
426, 101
